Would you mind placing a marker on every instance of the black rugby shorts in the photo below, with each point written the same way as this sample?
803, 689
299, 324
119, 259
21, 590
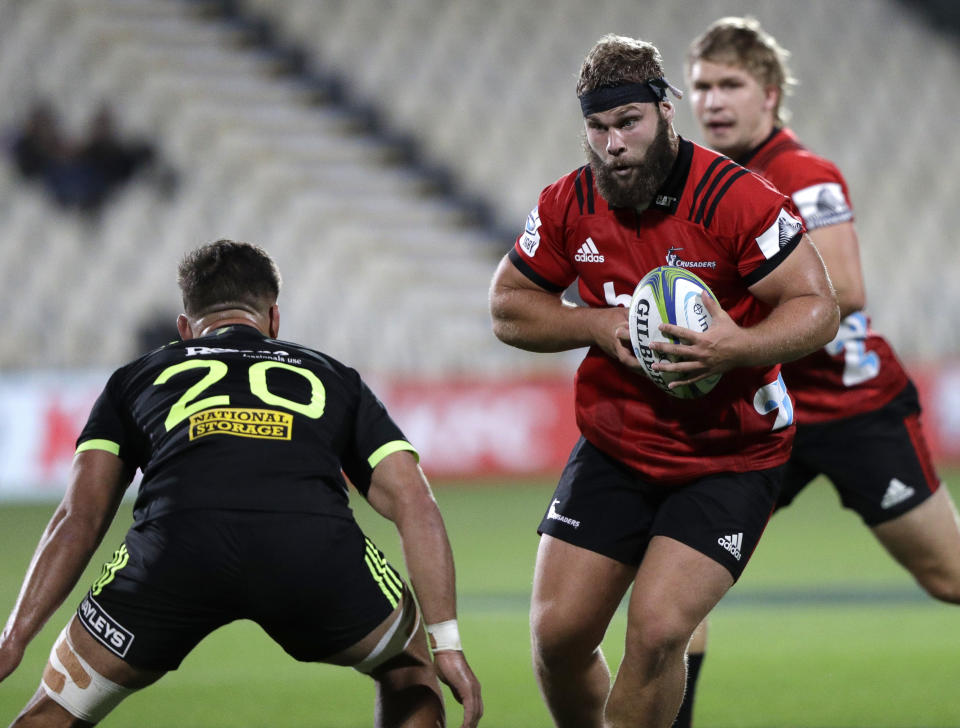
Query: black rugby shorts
314, 583
606, 507
878, 461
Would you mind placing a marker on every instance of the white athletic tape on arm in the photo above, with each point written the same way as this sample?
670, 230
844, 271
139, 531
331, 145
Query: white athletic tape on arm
446, 635
62, 683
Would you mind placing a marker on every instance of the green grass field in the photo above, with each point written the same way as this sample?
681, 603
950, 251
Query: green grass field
823, 630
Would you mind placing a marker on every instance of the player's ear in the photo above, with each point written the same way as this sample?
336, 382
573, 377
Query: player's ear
183, 327
771, 98
274, 323
667, 111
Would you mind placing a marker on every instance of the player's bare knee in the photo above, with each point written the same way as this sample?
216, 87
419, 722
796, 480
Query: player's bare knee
658, 634
553, 648
558, 639
942, 586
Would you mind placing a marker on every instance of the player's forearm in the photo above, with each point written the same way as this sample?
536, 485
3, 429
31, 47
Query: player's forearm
58, 562
541, 322
400, 492
794, 328
429, 560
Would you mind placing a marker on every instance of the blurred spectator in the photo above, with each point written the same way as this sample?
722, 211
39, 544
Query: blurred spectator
107, 160
79, 174
40, 144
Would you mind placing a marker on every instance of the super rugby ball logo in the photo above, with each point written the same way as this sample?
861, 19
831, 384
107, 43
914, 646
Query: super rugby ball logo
668, 295
530, 240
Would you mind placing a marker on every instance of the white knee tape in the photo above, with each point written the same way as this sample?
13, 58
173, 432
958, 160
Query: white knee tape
78, 688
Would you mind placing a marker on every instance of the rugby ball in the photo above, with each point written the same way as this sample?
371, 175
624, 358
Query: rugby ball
668, 295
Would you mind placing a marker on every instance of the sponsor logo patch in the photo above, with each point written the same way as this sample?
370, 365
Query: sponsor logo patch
553, 515
732, 543
588, 253
105, 628
665, 201
897, 492
822, 204
779, 234
260, 354
262, 424
678, 262
531, 233
789, 227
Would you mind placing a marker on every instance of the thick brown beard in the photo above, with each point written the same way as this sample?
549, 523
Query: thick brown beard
649, 174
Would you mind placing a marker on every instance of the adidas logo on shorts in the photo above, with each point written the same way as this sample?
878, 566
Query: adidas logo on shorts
732, 543
897, 492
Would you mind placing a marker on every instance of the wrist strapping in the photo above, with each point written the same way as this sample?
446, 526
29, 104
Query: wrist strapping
445, 635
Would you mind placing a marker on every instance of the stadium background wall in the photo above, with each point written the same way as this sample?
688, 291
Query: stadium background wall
465, 429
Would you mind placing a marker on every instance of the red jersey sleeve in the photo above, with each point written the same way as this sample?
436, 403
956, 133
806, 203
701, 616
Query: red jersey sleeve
816, 186
540, 251
761, 224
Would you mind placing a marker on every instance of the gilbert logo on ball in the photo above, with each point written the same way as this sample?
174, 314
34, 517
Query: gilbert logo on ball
668, 295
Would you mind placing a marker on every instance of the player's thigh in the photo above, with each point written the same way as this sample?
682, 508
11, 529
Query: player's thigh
404, 663
926, 541
82, 682
721, 515
575, 594
399, 632
675, 588
703, 535
106, 663
41, 710
593, 535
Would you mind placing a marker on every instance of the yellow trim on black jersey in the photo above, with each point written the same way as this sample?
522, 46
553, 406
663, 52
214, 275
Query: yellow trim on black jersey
109, 445
391, 447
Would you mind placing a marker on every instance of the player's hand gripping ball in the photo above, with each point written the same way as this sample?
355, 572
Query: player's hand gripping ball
668, 295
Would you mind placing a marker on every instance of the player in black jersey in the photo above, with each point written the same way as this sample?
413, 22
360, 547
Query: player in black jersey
242, 513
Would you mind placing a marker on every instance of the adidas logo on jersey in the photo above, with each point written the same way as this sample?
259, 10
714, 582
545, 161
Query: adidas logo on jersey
732, 543
588, 253
897, 492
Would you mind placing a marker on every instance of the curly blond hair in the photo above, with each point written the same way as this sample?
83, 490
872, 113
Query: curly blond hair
742, 42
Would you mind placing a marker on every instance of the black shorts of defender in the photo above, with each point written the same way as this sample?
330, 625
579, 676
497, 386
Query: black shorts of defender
314, 583
878, 461
604, 506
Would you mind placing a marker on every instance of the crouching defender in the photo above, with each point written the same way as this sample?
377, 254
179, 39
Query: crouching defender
242, 513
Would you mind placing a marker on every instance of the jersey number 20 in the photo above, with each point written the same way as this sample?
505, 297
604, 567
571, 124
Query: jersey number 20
188, 404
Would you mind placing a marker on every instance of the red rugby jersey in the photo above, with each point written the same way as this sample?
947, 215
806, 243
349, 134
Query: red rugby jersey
858, 371
731, 228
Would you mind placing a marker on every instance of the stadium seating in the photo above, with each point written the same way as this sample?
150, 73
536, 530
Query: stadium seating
380, 268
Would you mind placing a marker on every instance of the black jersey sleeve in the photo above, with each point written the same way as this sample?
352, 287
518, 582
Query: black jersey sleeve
109, 428
375, 435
